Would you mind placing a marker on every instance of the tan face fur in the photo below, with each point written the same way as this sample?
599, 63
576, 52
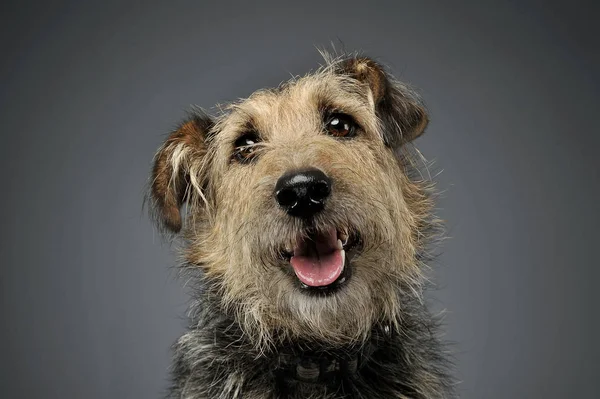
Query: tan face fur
236, 231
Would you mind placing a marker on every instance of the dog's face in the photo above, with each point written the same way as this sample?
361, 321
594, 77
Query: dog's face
300, 212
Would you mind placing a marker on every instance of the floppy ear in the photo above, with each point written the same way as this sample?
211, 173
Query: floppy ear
400, 110
177, 167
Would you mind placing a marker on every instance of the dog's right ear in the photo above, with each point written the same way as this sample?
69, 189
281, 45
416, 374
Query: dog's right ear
178, 168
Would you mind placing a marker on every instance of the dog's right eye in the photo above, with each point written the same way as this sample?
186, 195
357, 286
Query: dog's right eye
245, 147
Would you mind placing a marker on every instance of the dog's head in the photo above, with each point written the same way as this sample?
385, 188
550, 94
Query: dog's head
299, 208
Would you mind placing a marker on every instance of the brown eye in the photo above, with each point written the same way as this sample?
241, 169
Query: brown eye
245, 147
341, 125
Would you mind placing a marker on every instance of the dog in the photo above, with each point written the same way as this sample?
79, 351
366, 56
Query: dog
306, 233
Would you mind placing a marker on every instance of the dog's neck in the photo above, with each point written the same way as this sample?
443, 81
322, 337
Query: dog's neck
388, 363
307, 361
326, 365
320, 367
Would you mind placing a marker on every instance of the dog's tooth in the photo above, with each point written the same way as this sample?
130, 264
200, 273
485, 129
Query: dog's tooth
343, 237
339, 244
343, 257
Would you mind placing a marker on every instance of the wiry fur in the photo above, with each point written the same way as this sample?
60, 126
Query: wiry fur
247, 308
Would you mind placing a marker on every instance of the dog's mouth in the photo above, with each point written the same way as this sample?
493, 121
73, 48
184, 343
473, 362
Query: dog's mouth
321, 259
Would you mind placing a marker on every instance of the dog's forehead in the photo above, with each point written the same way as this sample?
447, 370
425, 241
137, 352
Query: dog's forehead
299, 103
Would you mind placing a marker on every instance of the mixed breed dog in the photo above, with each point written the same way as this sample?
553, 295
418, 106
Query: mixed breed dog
307, 232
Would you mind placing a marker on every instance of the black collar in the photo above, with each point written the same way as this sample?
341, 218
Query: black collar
322, 366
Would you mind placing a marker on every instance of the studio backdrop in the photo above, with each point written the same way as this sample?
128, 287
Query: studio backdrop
90, 300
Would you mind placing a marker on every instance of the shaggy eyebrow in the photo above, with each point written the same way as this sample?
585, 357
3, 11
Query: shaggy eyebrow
245, 124
327, 104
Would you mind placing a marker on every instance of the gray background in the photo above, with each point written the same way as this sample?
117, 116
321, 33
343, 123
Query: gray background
89, 299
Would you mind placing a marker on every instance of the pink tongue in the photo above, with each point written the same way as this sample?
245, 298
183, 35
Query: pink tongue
321, 264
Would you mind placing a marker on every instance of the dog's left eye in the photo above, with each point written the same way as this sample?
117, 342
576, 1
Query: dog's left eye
245, 147
341, 125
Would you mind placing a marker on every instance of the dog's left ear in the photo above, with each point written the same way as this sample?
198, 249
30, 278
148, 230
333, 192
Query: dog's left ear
401, 112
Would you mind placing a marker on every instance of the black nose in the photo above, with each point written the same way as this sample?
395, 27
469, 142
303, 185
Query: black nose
302, 193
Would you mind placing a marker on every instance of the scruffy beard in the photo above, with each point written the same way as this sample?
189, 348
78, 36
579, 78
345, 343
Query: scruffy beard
272, 308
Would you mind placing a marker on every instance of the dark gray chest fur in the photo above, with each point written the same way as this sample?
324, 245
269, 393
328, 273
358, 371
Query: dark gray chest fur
215, 360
